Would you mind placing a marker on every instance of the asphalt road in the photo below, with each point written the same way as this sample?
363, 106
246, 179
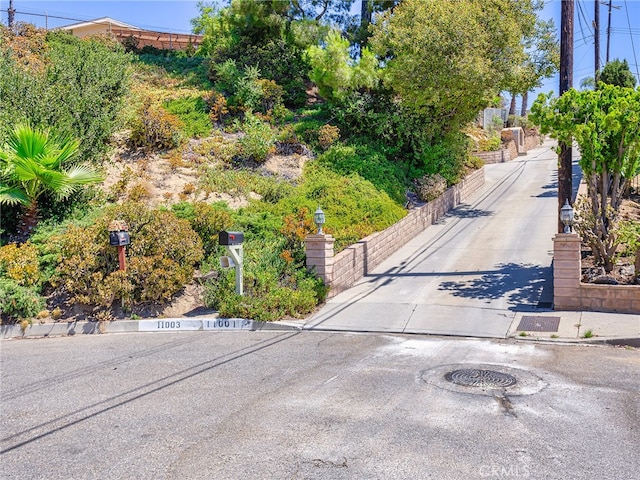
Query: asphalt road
314, 405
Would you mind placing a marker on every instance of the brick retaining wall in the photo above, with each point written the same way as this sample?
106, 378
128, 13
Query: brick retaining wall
498, 156
509, 150
357, 260
569, 293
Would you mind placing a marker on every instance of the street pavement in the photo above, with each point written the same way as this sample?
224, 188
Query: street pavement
315, 405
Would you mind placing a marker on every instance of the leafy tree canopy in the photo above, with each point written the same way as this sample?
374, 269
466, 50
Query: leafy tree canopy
450, 59
618, 73
336, 73
247, 22
605, 123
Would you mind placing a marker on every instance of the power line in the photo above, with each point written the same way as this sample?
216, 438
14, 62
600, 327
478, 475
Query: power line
633, 47
582, 17
57, 17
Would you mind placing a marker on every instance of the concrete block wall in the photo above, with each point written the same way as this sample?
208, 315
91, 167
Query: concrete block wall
510, 150
355, 261
569, 293
499, 156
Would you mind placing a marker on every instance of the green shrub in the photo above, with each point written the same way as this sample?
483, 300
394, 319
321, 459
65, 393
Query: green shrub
248, 90
192, 70
225, 76
160, 259
446, 157
206, 220
370, 161
629, 237
276, 60
490, 144
76, 85
430, 187
272, 94
258, 140
20, 263
273, 288
17, 301
155, 128
192, 112
353, 206
473, 163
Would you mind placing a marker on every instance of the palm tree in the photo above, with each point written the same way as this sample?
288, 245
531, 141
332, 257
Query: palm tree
31, 163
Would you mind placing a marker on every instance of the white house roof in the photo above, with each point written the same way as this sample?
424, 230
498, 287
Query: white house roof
102, 21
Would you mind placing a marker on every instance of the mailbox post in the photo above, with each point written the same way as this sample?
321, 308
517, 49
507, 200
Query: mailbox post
233, 242
119, 237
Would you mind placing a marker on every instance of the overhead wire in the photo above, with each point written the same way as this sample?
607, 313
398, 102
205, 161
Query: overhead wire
582, 17
58, 17
633, 47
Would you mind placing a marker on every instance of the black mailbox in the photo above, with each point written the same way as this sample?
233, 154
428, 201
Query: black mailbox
230, 238
119, 239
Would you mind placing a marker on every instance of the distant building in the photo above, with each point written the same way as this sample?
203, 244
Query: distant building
123, 31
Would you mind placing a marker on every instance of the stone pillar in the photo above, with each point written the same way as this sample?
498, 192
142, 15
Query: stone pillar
566, 271
319, 252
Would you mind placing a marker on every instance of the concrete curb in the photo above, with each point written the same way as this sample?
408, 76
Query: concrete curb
615, 341
208, 324
67, 329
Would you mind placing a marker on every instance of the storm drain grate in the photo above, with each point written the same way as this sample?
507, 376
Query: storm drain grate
480, 378
531, 323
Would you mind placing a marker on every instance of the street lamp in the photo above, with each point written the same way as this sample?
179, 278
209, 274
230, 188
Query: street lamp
566, 216
319, 219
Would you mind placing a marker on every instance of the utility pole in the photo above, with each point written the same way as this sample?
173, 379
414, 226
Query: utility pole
11, 14
565, 187
596, 36
617, 7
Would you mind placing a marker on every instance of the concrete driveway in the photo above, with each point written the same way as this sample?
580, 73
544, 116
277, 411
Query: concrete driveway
473, 271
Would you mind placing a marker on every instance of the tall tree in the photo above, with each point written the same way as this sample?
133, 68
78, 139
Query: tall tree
367, 10
449, 60
618, 73
542, 58
605, 123
249, 22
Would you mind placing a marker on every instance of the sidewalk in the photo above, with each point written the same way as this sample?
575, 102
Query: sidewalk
547, 325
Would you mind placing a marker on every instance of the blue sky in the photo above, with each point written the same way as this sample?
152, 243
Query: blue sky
175, 15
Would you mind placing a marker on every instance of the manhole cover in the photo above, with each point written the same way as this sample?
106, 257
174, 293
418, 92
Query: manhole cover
473, 377
532, 323
489, 379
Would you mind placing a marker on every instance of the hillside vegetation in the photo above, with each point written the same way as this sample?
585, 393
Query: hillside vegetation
271, 118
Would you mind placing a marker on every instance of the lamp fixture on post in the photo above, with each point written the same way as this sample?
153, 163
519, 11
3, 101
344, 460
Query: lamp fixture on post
319, 220
566, 216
